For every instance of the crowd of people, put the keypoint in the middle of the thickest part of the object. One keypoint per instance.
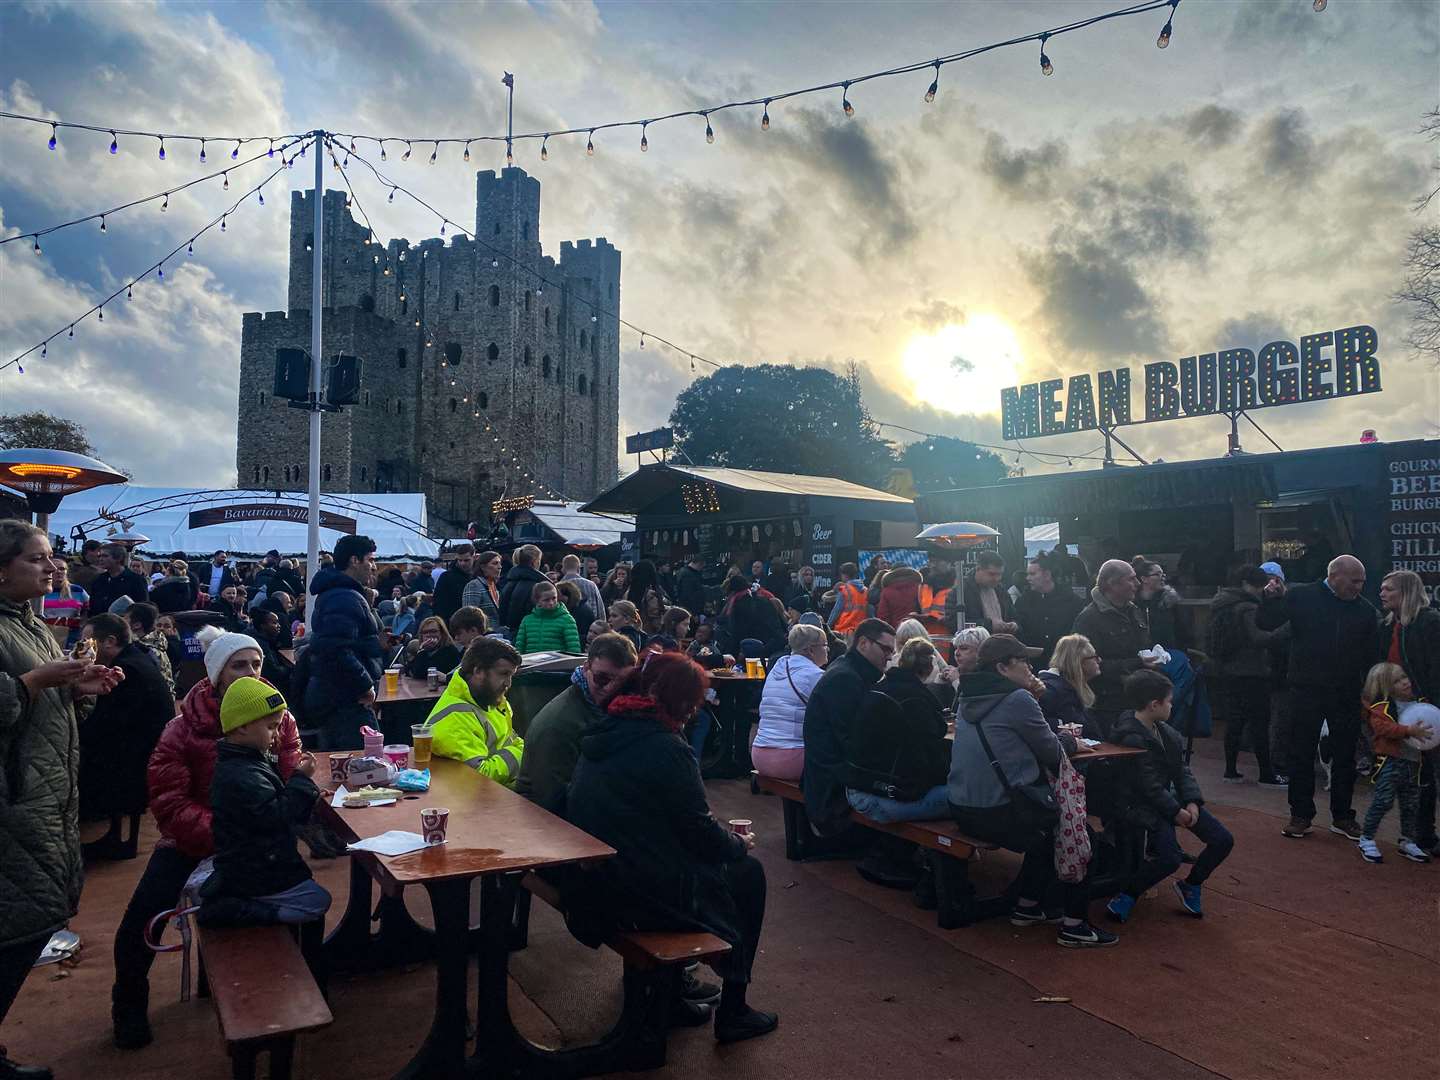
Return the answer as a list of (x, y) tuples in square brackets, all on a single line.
[(902, 694)]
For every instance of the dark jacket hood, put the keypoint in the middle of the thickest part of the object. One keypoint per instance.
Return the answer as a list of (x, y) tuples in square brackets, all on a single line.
[(329, 578), (981, 692), (1231, 596), (900, 575)]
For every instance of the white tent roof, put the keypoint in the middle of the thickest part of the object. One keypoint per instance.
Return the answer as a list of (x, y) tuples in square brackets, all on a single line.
[(383, 518)]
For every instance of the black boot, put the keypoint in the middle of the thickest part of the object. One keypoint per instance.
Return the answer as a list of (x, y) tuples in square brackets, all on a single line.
[(736, 1021), (129, 1012), (12, 1070)]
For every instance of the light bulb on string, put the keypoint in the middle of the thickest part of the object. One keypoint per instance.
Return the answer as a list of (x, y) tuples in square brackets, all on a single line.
[(130, 291), (1163, 41), (594, 318), (934, 85), (392, 195), (102, 223), (494, 263), (161, 270), (352, 145), (44, 350), (235, 154), (1319, 5), (21, 367), (509, 153), (845, 99), (165, 202), (434, 152), (260, 195), (53, 141), (114, 144), (222, 222), (382, 151), (467, 150), (72, 330), (644, 139), (642, 341), (590, 144), (36, 247), (406, 156), (302, 150), (765, 117), (544, 153), (226, 185), (190, 248), (709, 131), (442, 228), (202, 151), (271, 151), (1046, 67), (100, 313), (162, 147)]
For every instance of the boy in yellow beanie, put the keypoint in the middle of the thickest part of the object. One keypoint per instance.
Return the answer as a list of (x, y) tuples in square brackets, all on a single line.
[(259, 876)]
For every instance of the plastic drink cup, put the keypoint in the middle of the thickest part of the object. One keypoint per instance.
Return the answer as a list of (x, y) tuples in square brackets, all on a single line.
[(433, 822), (392, 680), (432, 678), (420, 735), (398, 754), (740, 826)]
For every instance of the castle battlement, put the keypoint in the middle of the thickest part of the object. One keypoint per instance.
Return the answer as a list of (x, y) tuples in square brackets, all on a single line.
[(453, 334)]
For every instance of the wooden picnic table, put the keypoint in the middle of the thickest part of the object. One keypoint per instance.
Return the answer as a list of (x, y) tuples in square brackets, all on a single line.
[(494, 835), (408, 690), (739, 699)]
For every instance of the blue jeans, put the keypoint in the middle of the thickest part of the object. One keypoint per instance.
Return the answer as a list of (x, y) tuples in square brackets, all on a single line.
[(934, 805), (1166, 856), (298, 904), (699, 732)]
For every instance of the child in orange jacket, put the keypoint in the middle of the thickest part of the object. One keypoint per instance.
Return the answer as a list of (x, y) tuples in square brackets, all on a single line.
[(1388, 694)]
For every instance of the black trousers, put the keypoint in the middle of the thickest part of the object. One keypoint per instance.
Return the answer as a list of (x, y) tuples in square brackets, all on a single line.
[(15, 963), (1037, 879), (158, 890), (1425, 813), (1247, 708), (746, 880), (1311, 706)]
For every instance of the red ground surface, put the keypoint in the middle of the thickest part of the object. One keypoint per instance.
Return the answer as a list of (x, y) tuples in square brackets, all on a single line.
[(1309, 963)]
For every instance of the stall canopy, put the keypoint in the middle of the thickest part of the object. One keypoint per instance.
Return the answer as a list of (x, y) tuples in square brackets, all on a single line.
[(566, 524), (648, 484), (247, 522)]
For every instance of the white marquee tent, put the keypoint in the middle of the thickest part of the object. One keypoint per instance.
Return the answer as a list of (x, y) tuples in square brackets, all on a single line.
[(396, 522)]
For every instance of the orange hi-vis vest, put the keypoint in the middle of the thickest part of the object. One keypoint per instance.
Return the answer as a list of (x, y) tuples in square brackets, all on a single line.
[(932, 609), (856, 611)]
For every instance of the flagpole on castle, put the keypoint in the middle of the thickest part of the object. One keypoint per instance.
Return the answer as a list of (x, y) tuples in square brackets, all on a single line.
[(317, 314), (509, 81)]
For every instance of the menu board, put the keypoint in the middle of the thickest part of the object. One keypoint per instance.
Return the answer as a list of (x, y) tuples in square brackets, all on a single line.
[(630, 547), (708, 539), (822, 551), (1414, 516)]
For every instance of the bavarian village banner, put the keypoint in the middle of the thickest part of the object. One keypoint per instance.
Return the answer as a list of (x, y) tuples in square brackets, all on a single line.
[(1335, 363), (224, 515)]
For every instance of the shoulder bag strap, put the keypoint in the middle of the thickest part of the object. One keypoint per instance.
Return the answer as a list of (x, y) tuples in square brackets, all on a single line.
[(994, 764), (789, 678)]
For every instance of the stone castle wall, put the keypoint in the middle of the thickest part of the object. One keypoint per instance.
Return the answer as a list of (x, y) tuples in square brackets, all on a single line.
[(452, 336)]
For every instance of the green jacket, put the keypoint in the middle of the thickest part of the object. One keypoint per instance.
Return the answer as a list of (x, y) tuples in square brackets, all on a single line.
[(548, 630), (552, 746), (40, 872)]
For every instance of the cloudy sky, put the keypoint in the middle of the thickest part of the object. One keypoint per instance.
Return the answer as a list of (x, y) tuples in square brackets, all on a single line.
[(1253, 181)]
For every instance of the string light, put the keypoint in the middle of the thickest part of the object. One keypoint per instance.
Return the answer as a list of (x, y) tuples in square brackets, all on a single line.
[(934, 85), (382, 150), (165, 203), (1319, 5), (644, 140), (36, 247), (509, 154), (709, 131), (100, 314), (467, 148), (72, 330), (53, 141), (114, 143), (544, 151), (845, 99), (130, 291), (222, 222), (590, 145), (765, 117), (161, 271), (434, 152), (1163, 41), (406, 156), (202, 151), (162, 147), (190, 248), (235, 154), (271, 151), (226, 186), (1046, 67), (102, 223)]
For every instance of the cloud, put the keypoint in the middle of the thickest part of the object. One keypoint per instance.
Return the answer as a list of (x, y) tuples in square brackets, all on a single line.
[(1213, 125), (933, 314), (1285, 146), (1093, 302), (1022, 173)]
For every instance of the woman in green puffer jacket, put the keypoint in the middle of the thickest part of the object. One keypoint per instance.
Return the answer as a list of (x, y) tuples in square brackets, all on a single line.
[(40, 871)]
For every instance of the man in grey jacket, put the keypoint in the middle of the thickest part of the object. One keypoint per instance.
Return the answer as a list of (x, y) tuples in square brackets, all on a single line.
[(1004, 745)]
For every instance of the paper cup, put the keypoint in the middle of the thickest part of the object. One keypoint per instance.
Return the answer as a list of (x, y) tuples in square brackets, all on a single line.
[(338, 761), (740, 826), (433, 822), (398, 754)]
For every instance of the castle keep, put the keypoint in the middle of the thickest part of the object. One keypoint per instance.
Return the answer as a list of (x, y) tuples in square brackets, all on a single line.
[(451, 337)]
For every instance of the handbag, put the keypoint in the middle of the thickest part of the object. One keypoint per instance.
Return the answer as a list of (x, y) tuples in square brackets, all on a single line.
[(1033, 809), (1072, 838)]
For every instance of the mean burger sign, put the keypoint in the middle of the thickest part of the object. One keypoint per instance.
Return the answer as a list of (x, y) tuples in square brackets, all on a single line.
[(1334, 363)]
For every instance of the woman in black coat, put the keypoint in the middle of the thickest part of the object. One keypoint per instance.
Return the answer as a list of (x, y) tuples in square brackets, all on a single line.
[(637, 787), (1410, 636)]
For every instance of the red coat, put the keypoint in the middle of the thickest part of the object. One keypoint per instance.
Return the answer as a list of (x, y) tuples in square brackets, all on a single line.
[(899, 596), (183, 763)]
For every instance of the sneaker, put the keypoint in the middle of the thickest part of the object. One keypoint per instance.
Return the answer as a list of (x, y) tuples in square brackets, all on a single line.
[(1274, 780), (1233, 777), (692, 989), (1297, 828), (748, 1025), (1084, 936), (1031, 916), (1370, 851), (1189, 898), (1347, 827), (13, 1070), (688, 1013), (1412, 851), (1120, 907)]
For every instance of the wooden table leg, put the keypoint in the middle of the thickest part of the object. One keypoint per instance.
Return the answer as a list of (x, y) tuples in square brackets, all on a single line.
[(442, 1055)]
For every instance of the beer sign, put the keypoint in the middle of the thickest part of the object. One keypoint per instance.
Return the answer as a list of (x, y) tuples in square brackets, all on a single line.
[(1334, 363)]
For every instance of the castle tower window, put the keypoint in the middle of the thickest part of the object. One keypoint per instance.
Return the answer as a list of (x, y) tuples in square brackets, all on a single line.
[(594, 347), (367, 302), (580, 384), (497, 228), (525, 230), (309, 241), (262, 397), (527, 355), (404, 307), (484, 400), (362, 473), (453, 404), (267, 472), (452, 352), (545, 367), (399, 408), (400, 358), (492, 352), (257, 474), (547, 318), (582, 339), (494, 295), (527, 299), (457, 301), (367, 397), (327, 473)]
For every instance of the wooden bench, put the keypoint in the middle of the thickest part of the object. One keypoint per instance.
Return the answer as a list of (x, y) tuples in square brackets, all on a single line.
[(955, 897), (654, 961), (264, 995)]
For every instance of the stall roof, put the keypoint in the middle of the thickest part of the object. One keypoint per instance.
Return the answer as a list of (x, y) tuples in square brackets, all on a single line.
[(651, 482), (569, 521), (383, 518)]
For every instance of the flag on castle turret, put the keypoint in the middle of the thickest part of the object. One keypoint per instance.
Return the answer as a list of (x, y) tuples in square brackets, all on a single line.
[(509, 80)]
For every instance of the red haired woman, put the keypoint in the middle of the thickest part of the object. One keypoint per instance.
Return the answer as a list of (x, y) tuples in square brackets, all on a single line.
[(637, 787)]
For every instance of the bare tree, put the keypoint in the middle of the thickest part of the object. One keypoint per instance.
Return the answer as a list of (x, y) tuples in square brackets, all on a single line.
[(1421, 290)]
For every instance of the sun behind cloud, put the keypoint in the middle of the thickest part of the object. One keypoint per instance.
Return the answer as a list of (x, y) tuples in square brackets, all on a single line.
[(962, 367)]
